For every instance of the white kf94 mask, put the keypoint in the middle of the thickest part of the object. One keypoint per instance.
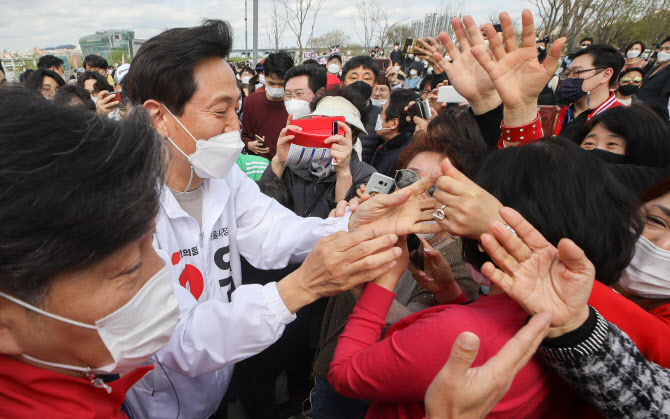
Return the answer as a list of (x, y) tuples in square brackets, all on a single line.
[(134, 332), (215, 157)]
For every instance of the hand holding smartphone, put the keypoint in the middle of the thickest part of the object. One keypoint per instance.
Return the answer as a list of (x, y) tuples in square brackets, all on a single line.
[(261, 141)]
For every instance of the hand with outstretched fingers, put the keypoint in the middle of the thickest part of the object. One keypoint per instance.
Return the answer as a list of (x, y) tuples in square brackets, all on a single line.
[(538, 275), (517, 74), (465, 73), (400, 213), (469, 208)]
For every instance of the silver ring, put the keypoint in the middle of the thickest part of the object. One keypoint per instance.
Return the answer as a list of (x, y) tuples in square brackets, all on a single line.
[(439, 213)]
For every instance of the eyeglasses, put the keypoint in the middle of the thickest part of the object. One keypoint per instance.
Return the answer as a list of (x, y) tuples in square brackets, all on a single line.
[(633, 79), (575, 74), (405, 177), (298, 94)]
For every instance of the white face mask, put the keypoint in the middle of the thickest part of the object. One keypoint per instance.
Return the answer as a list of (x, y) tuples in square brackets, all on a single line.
[(215, 157), (297, 107), (417, 59), (396, 48), (378, 102), (333, 68), (245, 80), (378, 124), (258, 85), (261, 79), (633, 54), (413, 72), (648, 274), (663, 56), (275, 92), (410, 55), (131, 334)]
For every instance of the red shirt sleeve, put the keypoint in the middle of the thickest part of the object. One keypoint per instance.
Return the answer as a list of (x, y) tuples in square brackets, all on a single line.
[(398, 368), (650, 333), (246, 120)]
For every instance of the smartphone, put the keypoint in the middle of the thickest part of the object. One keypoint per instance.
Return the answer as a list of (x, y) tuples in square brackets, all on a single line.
[(261, 141), (382, 65), (415, 248), (117, 96), (379, 183), (447, 94), (410, 43), (421, 108)]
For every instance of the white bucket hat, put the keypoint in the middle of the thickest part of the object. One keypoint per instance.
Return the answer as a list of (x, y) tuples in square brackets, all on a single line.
[(339, 106)]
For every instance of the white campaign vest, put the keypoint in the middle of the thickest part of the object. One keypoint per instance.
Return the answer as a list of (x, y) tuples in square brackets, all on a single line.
[(221, 321)]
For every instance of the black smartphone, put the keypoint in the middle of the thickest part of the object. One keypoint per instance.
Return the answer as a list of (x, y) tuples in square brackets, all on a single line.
[(415, 251), (261, 141)]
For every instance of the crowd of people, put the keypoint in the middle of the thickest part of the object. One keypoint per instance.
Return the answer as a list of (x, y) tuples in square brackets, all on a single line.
[(163, 255)]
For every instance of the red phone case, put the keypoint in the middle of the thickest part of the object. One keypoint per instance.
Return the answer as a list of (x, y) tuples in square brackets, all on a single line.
[(315, 131)]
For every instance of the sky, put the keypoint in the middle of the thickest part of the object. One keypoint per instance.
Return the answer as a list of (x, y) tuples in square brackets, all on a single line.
[(42, 23)]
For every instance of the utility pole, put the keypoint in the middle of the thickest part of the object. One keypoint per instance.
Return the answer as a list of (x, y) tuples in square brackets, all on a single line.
[(246, 33), (255, 29)]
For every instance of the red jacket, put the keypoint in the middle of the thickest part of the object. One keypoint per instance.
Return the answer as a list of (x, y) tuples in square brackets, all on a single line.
[(611, 102), (32, 392)]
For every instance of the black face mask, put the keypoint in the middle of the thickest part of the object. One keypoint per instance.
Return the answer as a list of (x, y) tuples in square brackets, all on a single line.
[(628, 89), (570, 91), (609, 157)]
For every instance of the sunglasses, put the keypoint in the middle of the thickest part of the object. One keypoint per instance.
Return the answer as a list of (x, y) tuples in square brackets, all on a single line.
[(405, 177), (634, 79)]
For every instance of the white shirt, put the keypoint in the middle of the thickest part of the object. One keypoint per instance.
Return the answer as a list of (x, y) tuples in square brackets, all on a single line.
[(221, 321)]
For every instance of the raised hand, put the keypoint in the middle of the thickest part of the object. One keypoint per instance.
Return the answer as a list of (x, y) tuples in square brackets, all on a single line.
[(283, 147), (341, 148), (465, 73), (469, 209), (516, 72), (105, 104), (400, 213), (539, 276), (459, 391)]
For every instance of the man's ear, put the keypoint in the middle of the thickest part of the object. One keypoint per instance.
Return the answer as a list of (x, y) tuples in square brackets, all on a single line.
[(395, 123), (157, 114), (9, 341)]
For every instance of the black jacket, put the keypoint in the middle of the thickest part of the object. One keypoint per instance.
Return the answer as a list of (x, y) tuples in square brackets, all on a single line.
[(655, 90), (370, 141), (385, 159), (396, 57), (306, 189)]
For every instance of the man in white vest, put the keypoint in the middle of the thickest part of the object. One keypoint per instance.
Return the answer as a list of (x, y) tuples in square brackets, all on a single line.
[(211, 213)]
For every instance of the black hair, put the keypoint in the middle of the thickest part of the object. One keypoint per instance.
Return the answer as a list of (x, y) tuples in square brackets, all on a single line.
[(647, 135), (34, 82), (277, 64), (667, 38), (71, 95), (163, 67), (48, 61), (2, 68), (564, 192), (586, 39), (630, 70), (100, 81), (433, 79), (29, 72), (604, 56), (74, 187), (95, 61), (247, 69), (640, 43), (276, 189), (310, 61), (397, 102), (315, 74), (364, 61)]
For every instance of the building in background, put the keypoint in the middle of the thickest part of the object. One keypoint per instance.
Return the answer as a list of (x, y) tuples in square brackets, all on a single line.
[(434, 23), (106, 43)]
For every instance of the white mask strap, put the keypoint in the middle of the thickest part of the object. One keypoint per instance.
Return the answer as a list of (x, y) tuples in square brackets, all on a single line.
[(57, 365), (182, 125), (46, 313)]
